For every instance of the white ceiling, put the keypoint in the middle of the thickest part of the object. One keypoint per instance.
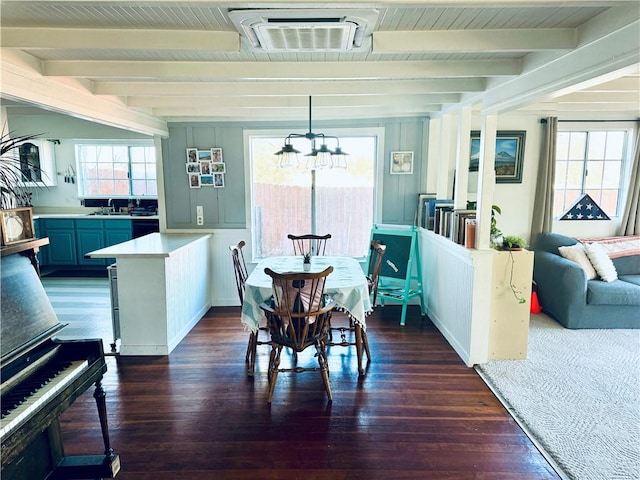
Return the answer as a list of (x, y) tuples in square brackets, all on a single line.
[(141, 64)]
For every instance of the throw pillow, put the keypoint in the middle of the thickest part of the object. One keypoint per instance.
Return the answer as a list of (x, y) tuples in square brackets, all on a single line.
[(577, 254), (601, 261)]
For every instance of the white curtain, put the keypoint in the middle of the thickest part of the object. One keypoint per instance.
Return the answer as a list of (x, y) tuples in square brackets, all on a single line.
[(631, 215), (542, 218)]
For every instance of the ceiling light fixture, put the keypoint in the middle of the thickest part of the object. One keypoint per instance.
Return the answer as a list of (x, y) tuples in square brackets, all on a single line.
[(320, 157)]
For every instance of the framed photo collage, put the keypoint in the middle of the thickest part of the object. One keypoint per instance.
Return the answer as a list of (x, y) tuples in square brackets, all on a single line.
[(205, 168)]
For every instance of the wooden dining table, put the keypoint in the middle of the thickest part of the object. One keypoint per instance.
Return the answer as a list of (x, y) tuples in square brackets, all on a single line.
[(346, 286)]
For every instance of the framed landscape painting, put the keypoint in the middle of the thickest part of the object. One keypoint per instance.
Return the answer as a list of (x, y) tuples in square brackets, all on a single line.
[(509, 155)]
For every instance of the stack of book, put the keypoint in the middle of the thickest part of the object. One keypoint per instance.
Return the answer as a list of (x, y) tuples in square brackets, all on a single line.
[(463, 227)]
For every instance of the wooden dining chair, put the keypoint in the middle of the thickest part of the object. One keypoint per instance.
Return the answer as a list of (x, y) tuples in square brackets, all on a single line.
[(309, 243), (241, 274), (298, 319), (376, 254), (352, 334)]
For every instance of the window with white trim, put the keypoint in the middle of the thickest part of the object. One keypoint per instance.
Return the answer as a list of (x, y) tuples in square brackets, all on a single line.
[(295, 200), (592, 162), (113, 170)]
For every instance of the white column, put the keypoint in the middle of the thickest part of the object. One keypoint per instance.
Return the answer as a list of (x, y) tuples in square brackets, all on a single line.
[(462, 157), (486, 179)]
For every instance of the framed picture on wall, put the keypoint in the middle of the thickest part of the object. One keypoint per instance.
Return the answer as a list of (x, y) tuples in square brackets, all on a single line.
[(205, 168), (218, 167), (194, 180), (192, 155), (193, 167), (206, 180), (204, 155), (218, 180), (401, 163), (509, 155), (216, 155)]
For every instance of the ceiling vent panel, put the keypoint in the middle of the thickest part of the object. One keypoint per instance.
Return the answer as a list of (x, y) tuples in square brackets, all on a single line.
[(312, 30)]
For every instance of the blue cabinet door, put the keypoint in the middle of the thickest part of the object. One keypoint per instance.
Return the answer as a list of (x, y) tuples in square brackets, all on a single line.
[(62, 242), (88, 241), (62, 247), (115, 232)]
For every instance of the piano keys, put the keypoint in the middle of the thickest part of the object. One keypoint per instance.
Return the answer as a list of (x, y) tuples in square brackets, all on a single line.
[(41, 377)]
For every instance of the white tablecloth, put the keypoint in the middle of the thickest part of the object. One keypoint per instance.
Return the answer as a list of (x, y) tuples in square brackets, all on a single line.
[(346, 285)]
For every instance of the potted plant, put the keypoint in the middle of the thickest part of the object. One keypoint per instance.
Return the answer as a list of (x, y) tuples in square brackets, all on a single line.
[(513, 242), (306, 261)]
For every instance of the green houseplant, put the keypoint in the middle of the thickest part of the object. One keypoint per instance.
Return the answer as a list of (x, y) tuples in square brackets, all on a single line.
[(495, 232), (306, 261), (513, 242)]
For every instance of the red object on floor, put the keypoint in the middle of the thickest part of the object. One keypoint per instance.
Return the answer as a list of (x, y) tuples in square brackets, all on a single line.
[(535, 305)]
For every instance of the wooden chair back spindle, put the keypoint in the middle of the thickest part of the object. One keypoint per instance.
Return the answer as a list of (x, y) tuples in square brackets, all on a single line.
[(309, 243)]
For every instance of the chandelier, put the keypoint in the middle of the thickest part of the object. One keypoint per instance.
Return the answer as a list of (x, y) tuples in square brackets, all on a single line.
[(320, 157)]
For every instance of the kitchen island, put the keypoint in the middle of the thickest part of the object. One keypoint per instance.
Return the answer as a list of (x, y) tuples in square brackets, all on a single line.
[(163, 289)]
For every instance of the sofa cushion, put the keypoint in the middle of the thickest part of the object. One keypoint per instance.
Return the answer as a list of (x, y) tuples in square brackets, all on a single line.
[(612, 293), (576, 253), (635, 279), (601, 261), (627, 265)]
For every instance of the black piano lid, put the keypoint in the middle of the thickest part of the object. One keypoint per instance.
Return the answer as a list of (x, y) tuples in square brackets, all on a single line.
[(27, 317)]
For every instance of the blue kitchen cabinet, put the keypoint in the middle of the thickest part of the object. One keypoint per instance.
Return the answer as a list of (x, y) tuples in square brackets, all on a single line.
[(116, 231), (71, 239), (89, 237), (62, 242)]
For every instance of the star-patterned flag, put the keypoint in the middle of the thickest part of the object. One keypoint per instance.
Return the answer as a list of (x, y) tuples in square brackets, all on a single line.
[(584, 209)]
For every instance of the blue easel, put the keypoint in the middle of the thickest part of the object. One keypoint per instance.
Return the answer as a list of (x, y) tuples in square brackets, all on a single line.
[(397, 281)]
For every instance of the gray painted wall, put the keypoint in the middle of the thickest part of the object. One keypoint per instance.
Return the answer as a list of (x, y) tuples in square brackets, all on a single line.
[(225, 208)]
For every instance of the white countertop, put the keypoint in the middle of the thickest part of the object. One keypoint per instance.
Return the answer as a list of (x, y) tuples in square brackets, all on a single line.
[(76, 216), (152, 245)]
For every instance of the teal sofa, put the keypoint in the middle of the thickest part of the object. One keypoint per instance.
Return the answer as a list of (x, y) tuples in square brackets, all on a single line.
[(575, 302)]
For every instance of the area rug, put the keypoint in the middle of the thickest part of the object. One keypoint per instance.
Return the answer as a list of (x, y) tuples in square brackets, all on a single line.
[(577, 395)]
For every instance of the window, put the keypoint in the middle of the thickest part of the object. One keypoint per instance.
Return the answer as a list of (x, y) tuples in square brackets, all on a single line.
[(116, 170), (591, 162), (295, 200)]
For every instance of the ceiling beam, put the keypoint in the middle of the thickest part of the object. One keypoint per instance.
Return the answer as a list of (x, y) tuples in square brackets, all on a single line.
[(301, 113), (113, 39), (287, 101), (355, 3), (22, 81), (267, 88), (280, 70), (507, 40), (592, 97), (597, 56)]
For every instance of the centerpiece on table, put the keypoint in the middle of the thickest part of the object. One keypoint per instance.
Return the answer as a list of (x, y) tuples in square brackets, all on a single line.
[(306, 262)]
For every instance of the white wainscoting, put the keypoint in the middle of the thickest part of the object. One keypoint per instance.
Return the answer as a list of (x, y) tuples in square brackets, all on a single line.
[(223, 283), (457, 283)]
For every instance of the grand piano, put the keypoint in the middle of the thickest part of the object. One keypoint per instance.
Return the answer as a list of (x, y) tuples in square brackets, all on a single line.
[(41, 377)]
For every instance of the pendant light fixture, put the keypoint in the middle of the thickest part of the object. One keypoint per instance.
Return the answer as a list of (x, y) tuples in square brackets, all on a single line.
[(320, 157)]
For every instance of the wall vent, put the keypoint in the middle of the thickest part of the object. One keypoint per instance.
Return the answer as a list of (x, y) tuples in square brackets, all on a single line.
[(295, 30)]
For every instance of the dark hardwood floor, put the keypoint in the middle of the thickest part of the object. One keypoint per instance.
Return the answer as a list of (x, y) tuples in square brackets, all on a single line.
[(419, 412)]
